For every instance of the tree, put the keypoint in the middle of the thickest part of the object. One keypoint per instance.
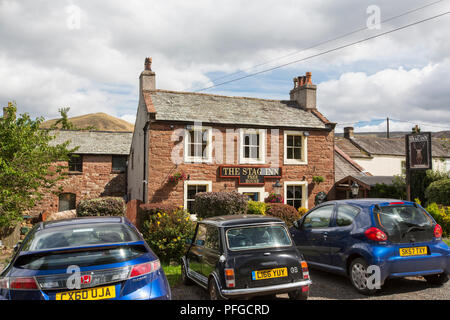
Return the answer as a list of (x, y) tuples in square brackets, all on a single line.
[(27, 164), (65, 122)]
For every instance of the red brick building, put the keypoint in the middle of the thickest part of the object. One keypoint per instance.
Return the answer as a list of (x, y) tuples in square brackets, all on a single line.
[(220, 143), (97, 169)]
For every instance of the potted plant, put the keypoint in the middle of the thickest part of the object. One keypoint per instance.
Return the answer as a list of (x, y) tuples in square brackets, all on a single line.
[(274, 198), (177, 176)]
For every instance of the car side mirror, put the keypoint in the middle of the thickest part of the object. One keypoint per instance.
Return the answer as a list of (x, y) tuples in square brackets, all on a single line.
[(17, 246)]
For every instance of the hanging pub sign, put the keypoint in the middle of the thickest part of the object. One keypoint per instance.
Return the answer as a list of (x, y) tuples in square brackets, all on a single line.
[(249, 175), (418, 151)]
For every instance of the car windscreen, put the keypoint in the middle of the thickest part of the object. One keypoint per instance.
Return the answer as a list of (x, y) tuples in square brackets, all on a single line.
[(80, 235), (257, 237), (404, 223), (79, 257)]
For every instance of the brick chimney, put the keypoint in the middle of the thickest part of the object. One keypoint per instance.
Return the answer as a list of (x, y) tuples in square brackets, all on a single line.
[(147, 81), (348, 132), (304, 92)]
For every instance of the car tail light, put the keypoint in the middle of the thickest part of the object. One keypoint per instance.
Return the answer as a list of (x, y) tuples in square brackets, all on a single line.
[(437, 231), (229, 278), (27, 283), (145, 268), (305, 270), (375, 234)]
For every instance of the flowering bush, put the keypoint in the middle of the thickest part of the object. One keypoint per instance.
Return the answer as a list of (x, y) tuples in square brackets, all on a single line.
[(211, 204), (178, 176), (166, 233), (256, 207), (274, 198), (442, 216), (104, 206), (149, 209), (302, 211), (283, 211)]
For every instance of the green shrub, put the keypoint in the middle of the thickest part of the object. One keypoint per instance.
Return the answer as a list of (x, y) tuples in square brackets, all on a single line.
[(439, 192), (166, 233), (149, 209), (211, 204), (104, 206), (442, 216), (256, 207), (283, 211)]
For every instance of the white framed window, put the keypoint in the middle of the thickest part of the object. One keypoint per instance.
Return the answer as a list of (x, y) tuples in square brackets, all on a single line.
[(191, 188), (295, 148), (197, 144), (252, 146), (254, 193), (296, 193)]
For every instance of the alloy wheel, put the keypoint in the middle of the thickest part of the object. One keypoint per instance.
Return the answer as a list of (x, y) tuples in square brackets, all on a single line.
[(359, 276)]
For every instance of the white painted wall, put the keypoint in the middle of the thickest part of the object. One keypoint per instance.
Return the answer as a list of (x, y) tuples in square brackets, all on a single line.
[(392, 165)]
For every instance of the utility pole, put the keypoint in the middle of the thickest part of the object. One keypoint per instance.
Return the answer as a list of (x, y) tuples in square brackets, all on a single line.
[(387, 127)]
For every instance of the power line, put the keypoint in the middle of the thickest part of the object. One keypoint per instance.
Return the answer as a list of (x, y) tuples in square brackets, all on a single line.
[(328, 51), (325, 41)]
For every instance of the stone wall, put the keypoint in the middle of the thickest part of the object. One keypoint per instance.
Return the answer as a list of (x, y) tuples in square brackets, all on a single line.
[(161, 145), (96, 180)]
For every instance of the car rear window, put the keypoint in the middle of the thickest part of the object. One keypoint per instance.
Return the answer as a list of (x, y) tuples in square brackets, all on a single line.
[(79, 235), (257, 237), (402, 221), (80, 258)]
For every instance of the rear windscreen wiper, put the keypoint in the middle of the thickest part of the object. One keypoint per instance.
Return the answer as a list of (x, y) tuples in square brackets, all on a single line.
[(413, 227)]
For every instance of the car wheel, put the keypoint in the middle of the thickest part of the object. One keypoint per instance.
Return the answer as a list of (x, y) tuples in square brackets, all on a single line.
[(213, 291), (298, 295), (184, 278), (358, 276), (437, 279)]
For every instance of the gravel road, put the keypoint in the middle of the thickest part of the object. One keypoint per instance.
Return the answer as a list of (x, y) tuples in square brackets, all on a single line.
[(329, 286)]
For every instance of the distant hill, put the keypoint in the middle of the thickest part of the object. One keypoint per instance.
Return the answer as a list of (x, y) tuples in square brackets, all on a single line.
[(101, 121)]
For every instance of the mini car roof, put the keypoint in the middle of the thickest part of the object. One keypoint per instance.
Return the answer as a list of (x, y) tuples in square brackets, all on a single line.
[(234, 220)]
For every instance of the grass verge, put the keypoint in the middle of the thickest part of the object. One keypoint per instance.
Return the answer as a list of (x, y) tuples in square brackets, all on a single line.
[(447, 241), (173, 274)]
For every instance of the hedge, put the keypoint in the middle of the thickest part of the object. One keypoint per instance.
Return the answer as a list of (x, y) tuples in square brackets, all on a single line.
[(211, 204), (439, 192), (104, 206), (283, 211)]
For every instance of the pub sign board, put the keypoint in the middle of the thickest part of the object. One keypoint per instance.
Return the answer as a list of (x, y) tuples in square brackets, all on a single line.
[(250, 175), (418, 151)]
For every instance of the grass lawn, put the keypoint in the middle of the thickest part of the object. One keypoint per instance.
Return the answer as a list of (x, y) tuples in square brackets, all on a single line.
[(447, 241), (173, 274)]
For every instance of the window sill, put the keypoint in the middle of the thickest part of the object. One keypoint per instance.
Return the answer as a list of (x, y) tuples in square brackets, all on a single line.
[(117, 171), (196, 160), (75, 173), (291, 162)]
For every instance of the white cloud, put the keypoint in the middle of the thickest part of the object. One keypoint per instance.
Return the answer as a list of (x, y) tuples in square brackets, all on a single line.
[(45, 65)]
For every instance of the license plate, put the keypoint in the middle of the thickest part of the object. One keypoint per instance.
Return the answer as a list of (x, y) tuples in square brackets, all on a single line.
[(269, 274), (88, 294), (415, 251)]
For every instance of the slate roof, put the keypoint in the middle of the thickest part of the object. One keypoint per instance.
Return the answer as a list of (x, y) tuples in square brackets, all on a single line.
[(344, 166), (208, 108), (349, 148), (95, 142), (396, 146)]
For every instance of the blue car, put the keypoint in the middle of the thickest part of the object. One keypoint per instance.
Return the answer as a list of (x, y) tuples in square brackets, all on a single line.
[(84, 259), (398, 238)]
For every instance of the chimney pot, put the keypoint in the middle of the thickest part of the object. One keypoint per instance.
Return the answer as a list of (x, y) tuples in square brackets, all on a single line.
[(348, 132), (304, 92), (147, 78)]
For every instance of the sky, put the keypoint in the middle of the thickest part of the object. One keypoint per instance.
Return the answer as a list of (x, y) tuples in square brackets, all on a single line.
[(87, 55)]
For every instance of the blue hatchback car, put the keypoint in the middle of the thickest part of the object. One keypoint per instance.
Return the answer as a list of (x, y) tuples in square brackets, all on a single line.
[(348, 236), (84, 259)]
